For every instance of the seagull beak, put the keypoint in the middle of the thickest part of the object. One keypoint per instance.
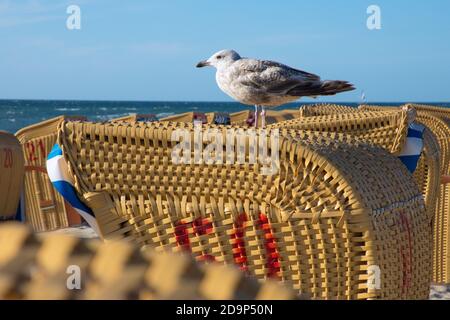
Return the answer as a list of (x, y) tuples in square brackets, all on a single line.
[(202, 64)]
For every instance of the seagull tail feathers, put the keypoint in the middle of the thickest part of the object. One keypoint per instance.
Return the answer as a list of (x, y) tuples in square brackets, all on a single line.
[(324, 88), (332, 87)]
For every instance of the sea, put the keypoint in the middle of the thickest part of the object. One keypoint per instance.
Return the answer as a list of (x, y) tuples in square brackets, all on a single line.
[(16, 114)]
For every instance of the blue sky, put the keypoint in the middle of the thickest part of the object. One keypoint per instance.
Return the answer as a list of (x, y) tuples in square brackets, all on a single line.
[(147, 50)]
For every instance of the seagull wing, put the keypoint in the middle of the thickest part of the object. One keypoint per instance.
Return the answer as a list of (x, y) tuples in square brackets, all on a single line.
[(274, 77)]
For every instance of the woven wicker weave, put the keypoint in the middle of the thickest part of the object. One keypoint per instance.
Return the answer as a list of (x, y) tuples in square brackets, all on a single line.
[(370, 129), (115, 270), (436, 111), (45, 209), (427, 174), (437, 120), (187, 117), (441, 233), (383, 128), (272, 116), (134, 117), (11, 175), (323, 109), (332, 212)]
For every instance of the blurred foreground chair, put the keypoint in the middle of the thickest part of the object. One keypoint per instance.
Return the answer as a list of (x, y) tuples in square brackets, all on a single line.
[(44, 208), (11, 175), (39, 267), (337, 220)]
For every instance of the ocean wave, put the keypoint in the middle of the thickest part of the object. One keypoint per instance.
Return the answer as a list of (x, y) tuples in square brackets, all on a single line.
[(105, 117), (67, 109), (161, 107)]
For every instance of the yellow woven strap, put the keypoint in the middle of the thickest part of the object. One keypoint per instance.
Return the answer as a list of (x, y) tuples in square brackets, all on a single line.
[(111, 225)]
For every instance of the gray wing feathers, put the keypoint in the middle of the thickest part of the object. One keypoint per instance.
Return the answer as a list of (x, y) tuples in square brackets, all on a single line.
[(326, 88), (273, 77), (276, 78)]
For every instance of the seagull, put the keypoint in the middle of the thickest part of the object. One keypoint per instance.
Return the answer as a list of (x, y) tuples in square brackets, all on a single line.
[(264, 83)]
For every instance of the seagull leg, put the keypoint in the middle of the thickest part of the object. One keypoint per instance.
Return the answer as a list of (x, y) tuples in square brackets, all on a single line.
[(256, 116), (263, 117)]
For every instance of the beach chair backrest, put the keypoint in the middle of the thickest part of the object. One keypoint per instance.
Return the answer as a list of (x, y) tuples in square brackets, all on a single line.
[(136, 117), (222, 118), (240, 118), (386, 129), (322, 109), (330, 205), (188, 117), (45, 209), (246, 117), (439, 124), (199, 117), (274, 116), (11, 175), (438, 111), (434, 163)]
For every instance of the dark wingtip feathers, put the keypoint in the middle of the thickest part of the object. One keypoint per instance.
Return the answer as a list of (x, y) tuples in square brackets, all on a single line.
[(325, 88), (333, 87)]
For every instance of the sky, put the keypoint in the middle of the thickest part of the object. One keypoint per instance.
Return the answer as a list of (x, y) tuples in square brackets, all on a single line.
[(147, 49)]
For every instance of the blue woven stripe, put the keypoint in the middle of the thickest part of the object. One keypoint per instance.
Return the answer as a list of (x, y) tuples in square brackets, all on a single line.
[(56, 151), (415, 133), (68, 193), (410, 162)]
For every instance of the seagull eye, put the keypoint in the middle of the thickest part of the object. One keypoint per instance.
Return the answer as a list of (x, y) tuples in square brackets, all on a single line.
[(219, 57)]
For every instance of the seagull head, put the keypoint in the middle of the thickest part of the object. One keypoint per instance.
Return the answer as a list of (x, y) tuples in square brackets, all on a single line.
[(220, 59)]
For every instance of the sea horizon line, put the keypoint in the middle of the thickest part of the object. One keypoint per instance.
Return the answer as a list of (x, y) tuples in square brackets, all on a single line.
[(218, 101)]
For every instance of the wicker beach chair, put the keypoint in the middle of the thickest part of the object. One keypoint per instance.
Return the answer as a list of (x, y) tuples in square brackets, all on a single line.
[(188, 117), (437, 120), (322, 109), (45, 209), (436, 111), (334, 216), (383, 128), (379, 127), (222, 118), (136, 117), (244, 118), (441, 234), (115, 270), (11, 175)]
